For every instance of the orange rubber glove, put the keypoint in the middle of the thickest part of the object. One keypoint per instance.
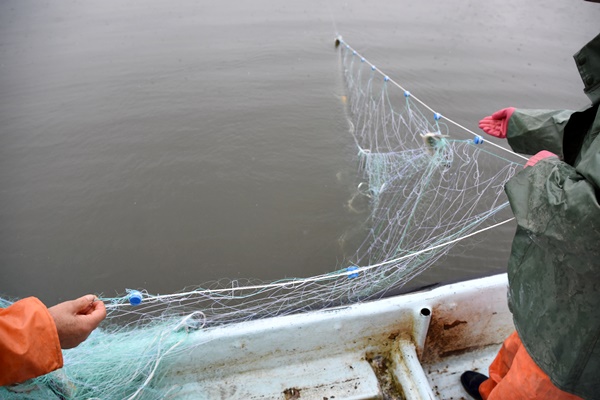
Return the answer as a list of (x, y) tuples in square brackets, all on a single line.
[(497, 123), (539, 156)]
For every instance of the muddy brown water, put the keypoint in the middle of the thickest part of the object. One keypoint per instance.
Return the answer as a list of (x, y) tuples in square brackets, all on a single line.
[(158, 145)]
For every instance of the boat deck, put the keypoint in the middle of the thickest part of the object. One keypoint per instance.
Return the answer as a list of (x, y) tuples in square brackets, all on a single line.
[(444, 376), (413, 346)]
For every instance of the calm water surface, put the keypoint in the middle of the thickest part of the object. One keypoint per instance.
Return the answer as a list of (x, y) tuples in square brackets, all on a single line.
[(157, 145)]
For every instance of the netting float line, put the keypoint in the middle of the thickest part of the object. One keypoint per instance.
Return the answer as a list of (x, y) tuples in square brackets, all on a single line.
[(430, 183)]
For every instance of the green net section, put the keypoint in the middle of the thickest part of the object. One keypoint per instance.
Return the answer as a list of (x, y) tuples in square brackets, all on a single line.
[(429, 183)]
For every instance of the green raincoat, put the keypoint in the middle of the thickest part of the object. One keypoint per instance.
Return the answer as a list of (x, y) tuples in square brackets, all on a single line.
[(554, 267)]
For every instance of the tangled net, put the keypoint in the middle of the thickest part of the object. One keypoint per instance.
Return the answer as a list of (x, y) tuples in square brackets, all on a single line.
[(429, 183)]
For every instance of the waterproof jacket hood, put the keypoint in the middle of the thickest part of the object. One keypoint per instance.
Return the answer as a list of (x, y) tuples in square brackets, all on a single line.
[(588, 63)]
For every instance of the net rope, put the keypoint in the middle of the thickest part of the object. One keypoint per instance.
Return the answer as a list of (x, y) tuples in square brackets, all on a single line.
[(429, 183)]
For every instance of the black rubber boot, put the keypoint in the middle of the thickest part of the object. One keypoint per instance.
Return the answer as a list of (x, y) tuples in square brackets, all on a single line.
[(471, 381)]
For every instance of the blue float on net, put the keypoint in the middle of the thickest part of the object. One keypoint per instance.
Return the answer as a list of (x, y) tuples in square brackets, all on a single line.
[(478, 139), (373, 67), (135, 298), (437, 116), (352, 268), (406, 93), (386, 78)]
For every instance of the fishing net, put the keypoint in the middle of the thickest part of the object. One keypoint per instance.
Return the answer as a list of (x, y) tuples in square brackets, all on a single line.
[(429, 183)]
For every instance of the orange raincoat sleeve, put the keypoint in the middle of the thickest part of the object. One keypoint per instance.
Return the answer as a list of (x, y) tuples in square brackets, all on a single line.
[(29, 344)]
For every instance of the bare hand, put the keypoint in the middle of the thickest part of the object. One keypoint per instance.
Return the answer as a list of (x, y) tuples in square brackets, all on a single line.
[(76, 319)]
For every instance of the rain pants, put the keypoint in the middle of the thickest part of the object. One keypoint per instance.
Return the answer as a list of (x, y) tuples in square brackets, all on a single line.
[(514, 375), (29, 344), (554, 267)]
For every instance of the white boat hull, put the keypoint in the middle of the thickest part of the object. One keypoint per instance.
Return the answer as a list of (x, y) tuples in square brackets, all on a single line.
[(413, 346)]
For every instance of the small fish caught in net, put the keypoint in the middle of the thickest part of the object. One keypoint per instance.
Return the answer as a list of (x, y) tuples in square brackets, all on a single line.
[(429, 183)]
